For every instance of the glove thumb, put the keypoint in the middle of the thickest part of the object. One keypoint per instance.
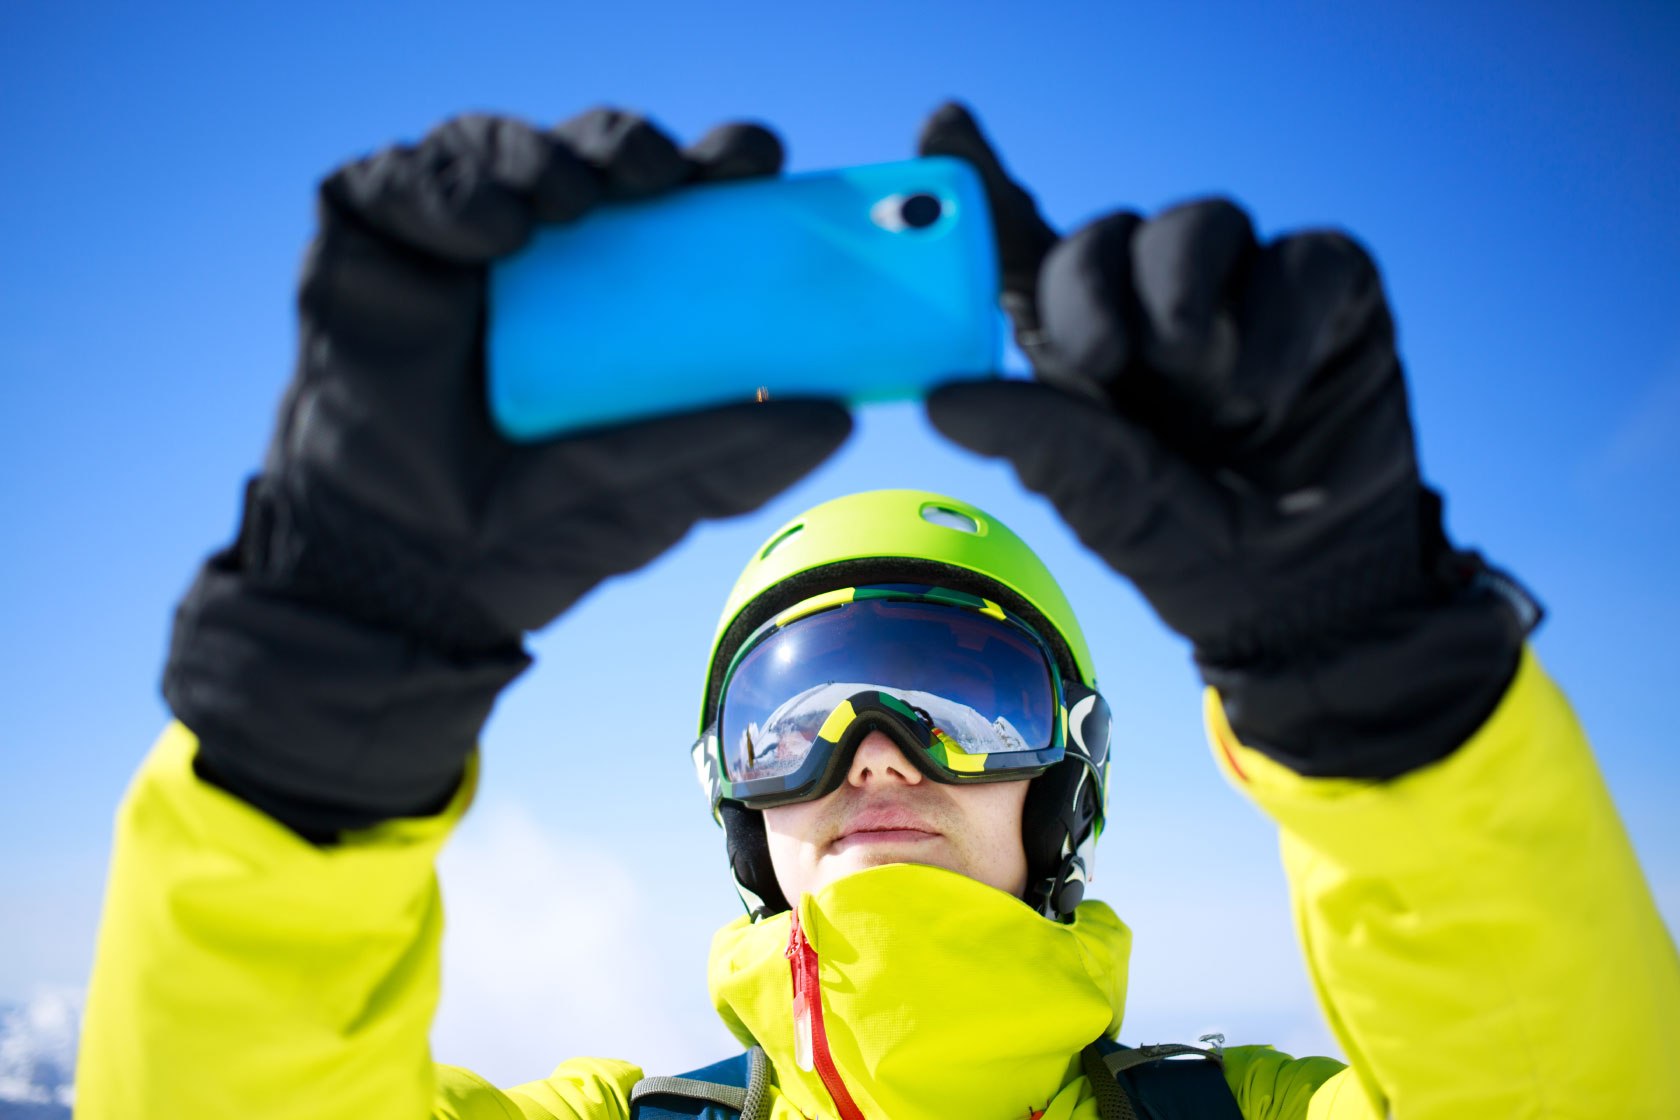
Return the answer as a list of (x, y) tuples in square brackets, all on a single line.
[(1023, 236), (575, 511)]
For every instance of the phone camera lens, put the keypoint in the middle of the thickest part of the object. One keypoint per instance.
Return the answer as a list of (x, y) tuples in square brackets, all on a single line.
[(920, 211)]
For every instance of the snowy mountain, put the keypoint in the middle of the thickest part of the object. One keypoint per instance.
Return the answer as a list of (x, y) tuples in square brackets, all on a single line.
[(38, 1056)]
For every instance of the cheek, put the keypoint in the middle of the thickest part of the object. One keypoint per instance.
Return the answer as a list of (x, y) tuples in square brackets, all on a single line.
[(997, 807), (786, 830), (993, 813), (788, 824)]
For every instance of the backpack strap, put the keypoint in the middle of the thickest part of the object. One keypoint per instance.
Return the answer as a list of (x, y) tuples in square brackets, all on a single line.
[(726, 1090), (1147, 1086), (1113, 1101)]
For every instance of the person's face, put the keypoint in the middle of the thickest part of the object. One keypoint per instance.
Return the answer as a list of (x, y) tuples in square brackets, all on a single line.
[(888, 812)]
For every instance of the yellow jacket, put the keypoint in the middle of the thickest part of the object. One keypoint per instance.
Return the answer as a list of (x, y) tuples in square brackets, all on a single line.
[(1478, 931)]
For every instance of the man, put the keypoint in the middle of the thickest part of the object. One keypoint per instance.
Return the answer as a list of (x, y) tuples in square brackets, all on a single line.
[(1223, 421)]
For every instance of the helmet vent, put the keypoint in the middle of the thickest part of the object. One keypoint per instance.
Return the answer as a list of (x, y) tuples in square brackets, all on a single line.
[(950, 518), (782, 538)]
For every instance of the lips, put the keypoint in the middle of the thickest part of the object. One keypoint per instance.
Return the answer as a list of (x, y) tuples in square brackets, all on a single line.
[(885, 825)]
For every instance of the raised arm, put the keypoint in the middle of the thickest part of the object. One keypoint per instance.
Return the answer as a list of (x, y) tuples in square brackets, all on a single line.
[(269, 945), (1225, 422)]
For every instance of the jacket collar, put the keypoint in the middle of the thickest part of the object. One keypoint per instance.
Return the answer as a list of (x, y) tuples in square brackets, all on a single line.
[(940, 996)]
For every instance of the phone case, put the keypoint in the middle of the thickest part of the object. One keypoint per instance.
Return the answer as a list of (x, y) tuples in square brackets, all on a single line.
[(865, 283)]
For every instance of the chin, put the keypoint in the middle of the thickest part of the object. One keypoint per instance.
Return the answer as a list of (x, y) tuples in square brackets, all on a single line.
[(864, 859)]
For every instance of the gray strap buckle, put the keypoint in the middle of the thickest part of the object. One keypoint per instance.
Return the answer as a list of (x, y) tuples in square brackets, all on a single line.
[(1126, 1059)]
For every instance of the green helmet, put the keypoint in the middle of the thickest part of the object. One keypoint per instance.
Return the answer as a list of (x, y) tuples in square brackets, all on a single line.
[(912, 536)]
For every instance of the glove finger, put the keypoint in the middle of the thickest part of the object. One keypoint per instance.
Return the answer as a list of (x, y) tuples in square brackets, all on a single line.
[(1184, 264), (1023, 236), (463, 193), (738, 150), (567, 188), (574, 512), (1111, 480), (1097, 333), (1087, 304), (1311, 305), (634, 158)]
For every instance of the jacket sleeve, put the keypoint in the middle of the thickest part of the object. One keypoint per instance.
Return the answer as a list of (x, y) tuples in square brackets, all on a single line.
[(1478, 931), (1270, 1085), (242, 971)]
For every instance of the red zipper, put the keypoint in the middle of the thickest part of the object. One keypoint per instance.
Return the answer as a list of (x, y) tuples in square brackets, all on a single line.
[(810, 1038)]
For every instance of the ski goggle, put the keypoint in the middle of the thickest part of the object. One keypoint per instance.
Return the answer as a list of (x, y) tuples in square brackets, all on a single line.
[(968, 691)]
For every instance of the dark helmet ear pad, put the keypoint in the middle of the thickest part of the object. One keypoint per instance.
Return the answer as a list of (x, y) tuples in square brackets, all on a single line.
[(749, 857), (1058, 812)]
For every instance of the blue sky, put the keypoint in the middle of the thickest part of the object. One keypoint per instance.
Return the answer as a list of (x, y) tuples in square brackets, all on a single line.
[(1513, 166)]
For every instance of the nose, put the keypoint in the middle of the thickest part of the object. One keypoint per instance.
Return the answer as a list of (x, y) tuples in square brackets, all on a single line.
[(878, 759)]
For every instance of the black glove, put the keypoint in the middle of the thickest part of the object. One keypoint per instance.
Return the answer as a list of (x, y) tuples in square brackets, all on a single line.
[(1225, 423), (338, 661)]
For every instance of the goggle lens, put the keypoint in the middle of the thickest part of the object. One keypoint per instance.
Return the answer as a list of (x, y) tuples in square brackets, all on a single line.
[(981, 686)]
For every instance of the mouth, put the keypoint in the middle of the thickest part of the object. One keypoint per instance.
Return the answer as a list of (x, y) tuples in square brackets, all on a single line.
[(884, 826)]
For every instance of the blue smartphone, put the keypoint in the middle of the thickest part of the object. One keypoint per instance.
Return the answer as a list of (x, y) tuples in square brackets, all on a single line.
[(866, 283)]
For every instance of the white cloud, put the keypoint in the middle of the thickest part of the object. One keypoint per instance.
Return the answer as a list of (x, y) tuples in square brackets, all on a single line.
[(552, 951), (38, 1048)]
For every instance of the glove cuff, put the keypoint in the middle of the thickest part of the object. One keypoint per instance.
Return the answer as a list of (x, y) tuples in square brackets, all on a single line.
[(323, 721), (1407, 691)]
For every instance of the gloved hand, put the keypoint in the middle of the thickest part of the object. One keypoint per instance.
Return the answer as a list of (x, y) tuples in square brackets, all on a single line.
[(338, 661), (1225, 422)]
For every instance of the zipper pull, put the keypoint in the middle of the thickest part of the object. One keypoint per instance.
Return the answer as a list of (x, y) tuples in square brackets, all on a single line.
[(799, 951)]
